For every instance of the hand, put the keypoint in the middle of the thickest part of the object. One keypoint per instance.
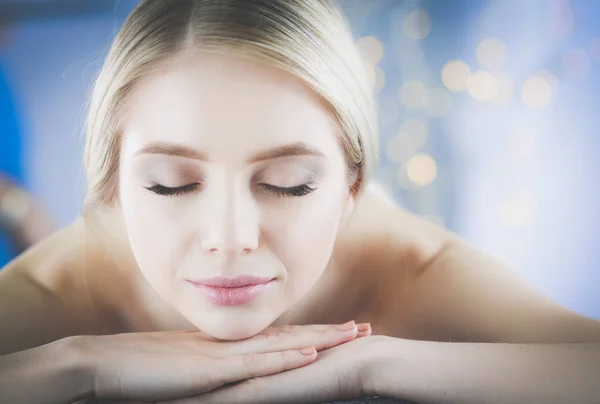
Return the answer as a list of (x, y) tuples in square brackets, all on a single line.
[(339, 373), (167, 365)]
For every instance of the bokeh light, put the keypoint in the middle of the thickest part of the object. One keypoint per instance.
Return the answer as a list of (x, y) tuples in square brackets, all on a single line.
[(396, 148), (536, 92), (416, 130), (439, 102), (414, 95), (421, 169), (560, 19), (576, 63), (389, 110), (370, 49), (491, 53), (411, 136), (417, 25), (402, 179), (376, 77), (482, 86), (550, 78), (455, 75), (505, 88), (371, 73)]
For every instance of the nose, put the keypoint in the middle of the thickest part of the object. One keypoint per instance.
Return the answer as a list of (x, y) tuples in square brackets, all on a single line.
[(230, 221)]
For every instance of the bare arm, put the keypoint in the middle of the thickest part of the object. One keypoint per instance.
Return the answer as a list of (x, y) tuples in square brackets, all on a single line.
[(463, 295), (51, 373), (37, 362), (48, 292), (33, 314), (487, 373), (481, 334), (43, 302)]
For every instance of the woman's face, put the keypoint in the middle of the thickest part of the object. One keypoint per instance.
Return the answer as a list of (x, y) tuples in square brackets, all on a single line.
[(230, 171)]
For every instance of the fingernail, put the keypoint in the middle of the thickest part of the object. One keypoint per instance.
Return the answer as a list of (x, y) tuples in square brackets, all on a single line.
[(308, 351), (364, 326), (350, 325)]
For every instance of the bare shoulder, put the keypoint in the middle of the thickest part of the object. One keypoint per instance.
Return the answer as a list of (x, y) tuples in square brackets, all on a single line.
[(384, 247), (381, 230), (47, 293), (429, 284)]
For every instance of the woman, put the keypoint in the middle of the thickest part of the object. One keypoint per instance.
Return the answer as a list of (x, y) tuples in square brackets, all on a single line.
[(228, 153)]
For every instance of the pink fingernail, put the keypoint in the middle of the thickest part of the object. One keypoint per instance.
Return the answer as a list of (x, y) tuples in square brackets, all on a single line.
[(350, 325), (364, 326), (308, 351)]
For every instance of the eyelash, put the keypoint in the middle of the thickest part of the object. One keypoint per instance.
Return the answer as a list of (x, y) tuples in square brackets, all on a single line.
[(297, 191), (166, 191)]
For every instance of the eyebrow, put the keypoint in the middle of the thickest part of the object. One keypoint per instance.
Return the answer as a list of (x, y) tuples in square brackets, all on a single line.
[(295, 149)]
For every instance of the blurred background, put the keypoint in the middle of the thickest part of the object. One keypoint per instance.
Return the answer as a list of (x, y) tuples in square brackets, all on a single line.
[(488, 113)]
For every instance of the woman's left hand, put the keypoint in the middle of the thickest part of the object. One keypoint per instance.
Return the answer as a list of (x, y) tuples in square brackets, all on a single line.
[(338, 373)]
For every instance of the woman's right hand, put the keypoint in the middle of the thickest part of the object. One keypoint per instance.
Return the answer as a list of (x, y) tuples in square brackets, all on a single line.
[(168, 365)]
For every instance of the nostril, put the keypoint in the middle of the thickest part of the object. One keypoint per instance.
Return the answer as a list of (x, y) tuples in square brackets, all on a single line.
[(214, 251)]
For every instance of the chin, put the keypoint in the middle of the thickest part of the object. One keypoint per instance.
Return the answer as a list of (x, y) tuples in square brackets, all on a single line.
[(233, 332)]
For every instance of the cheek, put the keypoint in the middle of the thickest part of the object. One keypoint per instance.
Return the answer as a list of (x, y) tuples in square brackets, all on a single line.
[(154, 232), (303, 237)]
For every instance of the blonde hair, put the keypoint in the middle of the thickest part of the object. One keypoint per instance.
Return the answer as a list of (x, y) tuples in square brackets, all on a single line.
[(307, 38)]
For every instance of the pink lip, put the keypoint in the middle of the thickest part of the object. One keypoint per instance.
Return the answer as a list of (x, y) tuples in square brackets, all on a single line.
[(232, 292)]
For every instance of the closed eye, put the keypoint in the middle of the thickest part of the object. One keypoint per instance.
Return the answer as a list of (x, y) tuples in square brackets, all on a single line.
[(296, 191), (167, 191)]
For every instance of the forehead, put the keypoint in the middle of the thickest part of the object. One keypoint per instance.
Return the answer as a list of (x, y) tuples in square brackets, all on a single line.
[(226, 105)]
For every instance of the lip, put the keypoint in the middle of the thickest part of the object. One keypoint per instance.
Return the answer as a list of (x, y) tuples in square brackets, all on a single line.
[(238, 281), (232, 292)]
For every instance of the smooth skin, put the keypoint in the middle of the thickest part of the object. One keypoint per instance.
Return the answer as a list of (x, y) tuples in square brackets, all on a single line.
[(102, 308)]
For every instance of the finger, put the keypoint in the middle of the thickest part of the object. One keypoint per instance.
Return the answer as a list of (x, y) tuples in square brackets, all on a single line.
[(242, 367), (364, 330), (312, 384), (218, 372), (293, 337)]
